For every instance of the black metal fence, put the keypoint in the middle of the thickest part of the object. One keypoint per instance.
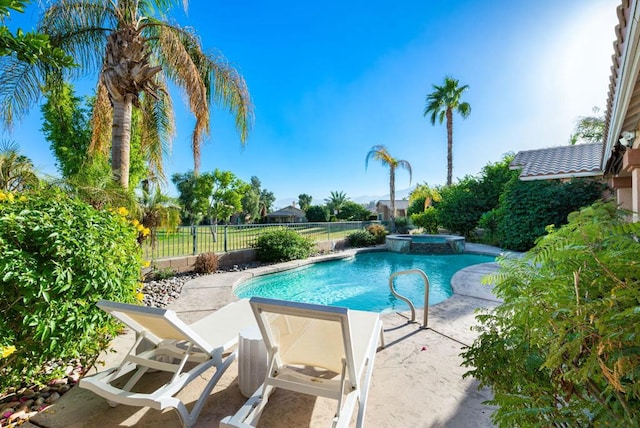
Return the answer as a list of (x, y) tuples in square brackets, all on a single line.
[(193, 240)]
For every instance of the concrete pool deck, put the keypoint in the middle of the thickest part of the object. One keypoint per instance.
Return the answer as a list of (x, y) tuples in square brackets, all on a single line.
[(417, 378)]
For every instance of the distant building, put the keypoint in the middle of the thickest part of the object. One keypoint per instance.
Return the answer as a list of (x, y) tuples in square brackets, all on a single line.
[(289, 214), (383, 208)]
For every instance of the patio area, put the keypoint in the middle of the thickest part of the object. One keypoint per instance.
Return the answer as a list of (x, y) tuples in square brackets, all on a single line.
[(417, 379)]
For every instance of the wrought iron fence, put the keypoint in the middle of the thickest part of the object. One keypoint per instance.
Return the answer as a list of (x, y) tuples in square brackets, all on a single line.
[(193, 240)]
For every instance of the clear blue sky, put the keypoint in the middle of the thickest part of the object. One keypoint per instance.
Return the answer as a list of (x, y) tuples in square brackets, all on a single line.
[(330, 79)]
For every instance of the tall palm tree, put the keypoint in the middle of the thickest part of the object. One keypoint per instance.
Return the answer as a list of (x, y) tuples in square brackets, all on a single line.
[(441, 103), (380, 153), (135, 53)]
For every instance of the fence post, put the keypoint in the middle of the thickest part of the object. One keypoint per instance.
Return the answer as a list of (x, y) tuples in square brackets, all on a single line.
[(194, 235), (329, 231), (225, 238)]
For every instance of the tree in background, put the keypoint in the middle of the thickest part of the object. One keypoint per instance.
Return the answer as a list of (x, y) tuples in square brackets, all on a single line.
[(317, 213), (135, 53), (225, 194), (267, 199), (589, 129), (193, 196), (441, 104), (335, 201), (251, 200), (304, 201), (157, 210), (353, 211), (380, 153), (16, 170)]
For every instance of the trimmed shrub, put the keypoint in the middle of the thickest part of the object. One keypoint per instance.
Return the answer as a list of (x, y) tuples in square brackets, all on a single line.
[(281, 245), (428, 220), (58, 257), (206, 263), (378, 231), (361, 238)]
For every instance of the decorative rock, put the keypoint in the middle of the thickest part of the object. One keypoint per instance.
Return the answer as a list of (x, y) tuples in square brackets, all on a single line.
[(53, 398), (63, 389), (28, 403), (39, 401)]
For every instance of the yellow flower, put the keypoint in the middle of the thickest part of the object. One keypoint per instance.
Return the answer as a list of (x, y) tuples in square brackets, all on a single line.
[(123, 211), (146, 263), (2, 196), (10, 197), (22, 198), (139, 227), (5, 351), (146, 231), (135, 222), (139, 296)]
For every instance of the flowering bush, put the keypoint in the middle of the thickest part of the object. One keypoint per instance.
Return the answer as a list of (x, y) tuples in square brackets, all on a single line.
[(58, 257)]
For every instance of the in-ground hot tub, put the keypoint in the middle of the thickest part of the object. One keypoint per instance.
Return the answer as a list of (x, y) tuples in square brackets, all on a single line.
[(426, 244)]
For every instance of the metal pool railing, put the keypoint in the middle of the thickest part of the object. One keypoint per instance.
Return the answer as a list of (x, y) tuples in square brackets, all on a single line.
[(193, 240)]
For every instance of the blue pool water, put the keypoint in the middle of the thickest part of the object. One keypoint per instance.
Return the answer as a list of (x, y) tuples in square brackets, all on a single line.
[(362, 282)]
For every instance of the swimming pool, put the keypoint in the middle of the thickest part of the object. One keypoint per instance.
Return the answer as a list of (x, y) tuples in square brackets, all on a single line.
[(362, 282)]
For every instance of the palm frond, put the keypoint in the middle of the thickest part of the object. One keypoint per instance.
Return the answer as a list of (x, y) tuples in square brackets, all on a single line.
[(19, 88), (79, 27), (158, 129), (101, 120), (176, 51)]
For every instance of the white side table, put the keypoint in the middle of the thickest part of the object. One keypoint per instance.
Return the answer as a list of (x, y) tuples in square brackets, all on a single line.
[(252, 360)]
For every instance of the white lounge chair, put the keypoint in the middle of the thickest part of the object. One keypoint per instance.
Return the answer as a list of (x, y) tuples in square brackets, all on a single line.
[(184, 350), (299, 336)]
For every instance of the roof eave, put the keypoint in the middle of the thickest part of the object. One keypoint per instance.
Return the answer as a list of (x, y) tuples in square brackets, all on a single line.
[(629, 67), (562, 176)]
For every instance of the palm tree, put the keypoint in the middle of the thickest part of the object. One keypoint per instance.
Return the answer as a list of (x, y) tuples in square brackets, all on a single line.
[(157, 210), (135, 53), (16, 170), (380, 153), (335, 201), (424, 191), (441, 103)]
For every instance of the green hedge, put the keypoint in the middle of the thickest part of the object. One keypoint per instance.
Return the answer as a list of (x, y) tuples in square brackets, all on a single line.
[(528, 207), (58, 257), (281, 245)]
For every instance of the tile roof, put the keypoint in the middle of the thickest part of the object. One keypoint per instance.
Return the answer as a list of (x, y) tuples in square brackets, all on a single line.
[(580, 160)]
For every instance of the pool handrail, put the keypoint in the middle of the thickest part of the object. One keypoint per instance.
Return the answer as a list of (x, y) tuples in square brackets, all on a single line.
[(411, 306)]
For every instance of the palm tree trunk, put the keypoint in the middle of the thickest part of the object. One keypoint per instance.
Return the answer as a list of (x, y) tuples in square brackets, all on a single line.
[(449, 146), (121, 140), (392, 196)]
